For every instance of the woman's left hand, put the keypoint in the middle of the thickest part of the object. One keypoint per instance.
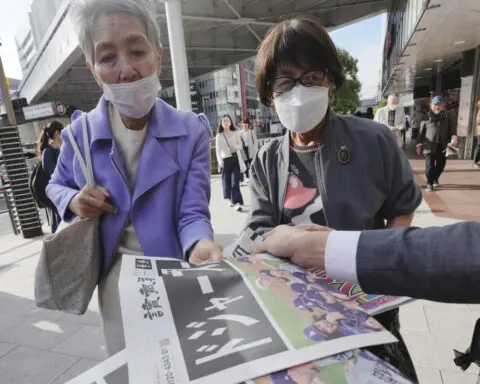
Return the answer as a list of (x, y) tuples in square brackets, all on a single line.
[(205, 250)]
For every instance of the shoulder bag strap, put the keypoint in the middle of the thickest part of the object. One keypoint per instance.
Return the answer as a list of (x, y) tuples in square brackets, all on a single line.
[(86, 164), (225, 137), (86, 149)]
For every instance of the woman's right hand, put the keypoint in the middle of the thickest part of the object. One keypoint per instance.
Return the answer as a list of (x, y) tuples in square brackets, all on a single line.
[(91, 202), (220, 163)]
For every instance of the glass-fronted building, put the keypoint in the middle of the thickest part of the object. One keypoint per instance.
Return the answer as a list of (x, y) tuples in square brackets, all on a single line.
[(433, 47), (228, 91)]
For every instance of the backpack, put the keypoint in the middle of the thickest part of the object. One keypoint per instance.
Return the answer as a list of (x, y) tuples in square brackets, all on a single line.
[(37, 184)]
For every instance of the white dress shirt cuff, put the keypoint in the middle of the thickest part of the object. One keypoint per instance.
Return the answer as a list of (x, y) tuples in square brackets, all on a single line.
[(341, 255)]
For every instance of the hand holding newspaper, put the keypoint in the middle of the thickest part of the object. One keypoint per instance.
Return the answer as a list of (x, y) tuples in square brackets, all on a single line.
[(253, 319), (371, 304)]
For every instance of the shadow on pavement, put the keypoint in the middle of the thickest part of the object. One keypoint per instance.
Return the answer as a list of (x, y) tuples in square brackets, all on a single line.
[(45, 347)]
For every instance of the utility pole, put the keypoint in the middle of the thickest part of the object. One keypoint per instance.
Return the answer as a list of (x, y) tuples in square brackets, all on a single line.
[(22, 207)]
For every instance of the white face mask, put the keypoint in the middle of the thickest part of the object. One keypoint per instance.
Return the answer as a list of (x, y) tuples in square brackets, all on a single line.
[(392, 107), (135, 99), (302, 108)]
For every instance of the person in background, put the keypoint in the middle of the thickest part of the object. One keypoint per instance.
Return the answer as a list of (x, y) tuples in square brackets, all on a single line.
[(408, 124), (151, 162), (393, 116), (369, 114), (359, 114), (249, 145), (476, 154), (339, 171), (228, 147), (435, 134), (48, 149), (418, 117)]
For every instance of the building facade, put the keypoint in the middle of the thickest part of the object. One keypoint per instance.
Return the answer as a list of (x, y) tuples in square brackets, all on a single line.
[(228, 91), (432, 47), (168, 95), (42, 13), (26, 47)]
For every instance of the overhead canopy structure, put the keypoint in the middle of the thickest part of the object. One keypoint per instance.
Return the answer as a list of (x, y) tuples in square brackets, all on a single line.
[(217, 33), (445, 30)]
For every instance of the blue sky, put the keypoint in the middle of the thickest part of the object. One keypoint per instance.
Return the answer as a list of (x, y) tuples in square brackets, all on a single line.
[(363, 40)]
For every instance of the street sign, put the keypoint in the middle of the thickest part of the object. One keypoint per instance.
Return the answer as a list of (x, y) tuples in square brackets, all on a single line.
[(40, 110), (60, 108)]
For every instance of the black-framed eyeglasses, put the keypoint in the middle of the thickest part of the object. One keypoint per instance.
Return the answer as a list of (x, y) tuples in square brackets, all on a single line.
[(310, 78)]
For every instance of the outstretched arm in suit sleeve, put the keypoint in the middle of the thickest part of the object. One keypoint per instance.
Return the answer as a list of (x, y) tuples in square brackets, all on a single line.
[(438, 263)]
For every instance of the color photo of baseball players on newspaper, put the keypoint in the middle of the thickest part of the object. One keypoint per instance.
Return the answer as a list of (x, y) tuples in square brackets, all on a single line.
[(371, 304), (236, 320)]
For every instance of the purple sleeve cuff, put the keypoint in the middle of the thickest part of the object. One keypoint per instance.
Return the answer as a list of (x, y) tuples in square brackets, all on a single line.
[(62, 196), (193, 233)]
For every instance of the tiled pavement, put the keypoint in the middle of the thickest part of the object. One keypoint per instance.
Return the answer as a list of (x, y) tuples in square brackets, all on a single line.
[(43, 347)]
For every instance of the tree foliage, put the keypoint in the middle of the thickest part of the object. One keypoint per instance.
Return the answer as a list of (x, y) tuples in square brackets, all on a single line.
[(347, 97), (381, 104)]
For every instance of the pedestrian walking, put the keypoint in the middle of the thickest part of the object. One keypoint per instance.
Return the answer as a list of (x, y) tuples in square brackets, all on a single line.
[(435, 135), (48, 149), (476, 154), (249, 145), (393, 116), (229, 157)]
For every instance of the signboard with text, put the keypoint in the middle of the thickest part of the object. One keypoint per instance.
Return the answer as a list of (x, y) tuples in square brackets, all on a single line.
[(39, 111)]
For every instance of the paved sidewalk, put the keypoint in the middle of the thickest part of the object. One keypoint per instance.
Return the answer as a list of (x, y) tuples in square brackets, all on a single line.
[(44, 347)]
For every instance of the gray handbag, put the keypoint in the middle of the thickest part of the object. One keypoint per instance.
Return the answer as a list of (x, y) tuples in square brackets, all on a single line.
[(71, 260)]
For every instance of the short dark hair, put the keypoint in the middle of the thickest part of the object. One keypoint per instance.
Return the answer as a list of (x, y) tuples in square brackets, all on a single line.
[(300, 42), (232, 126)]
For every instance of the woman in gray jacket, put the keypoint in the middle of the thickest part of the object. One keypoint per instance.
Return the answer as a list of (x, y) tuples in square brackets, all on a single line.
[(343, 172)]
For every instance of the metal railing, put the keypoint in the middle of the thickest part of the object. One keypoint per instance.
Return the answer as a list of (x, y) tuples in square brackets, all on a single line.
[(21, 205), (6, 191)]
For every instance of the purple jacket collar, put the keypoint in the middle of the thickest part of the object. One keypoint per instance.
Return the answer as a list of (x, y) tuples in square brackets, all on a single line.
[(161, 123)]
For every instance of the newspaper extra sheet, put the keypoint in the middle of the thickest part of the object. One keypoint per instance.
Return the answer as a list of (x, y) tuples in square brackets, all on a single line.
[(232, 321), (371, 304)]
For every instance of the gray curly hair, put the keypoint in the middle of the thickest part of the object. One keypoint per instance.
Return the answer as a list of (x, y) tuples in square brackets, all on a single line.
[(86, 12)]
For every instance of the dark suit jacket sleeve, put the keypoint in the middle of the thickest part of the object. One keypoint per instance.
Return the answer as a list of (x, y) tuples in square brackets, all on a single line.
[(438, 263)]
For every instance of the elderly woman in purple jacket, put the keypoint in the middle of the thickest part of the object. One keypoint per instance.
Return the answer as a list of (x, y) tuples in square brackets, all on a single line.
[(151, 162)]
